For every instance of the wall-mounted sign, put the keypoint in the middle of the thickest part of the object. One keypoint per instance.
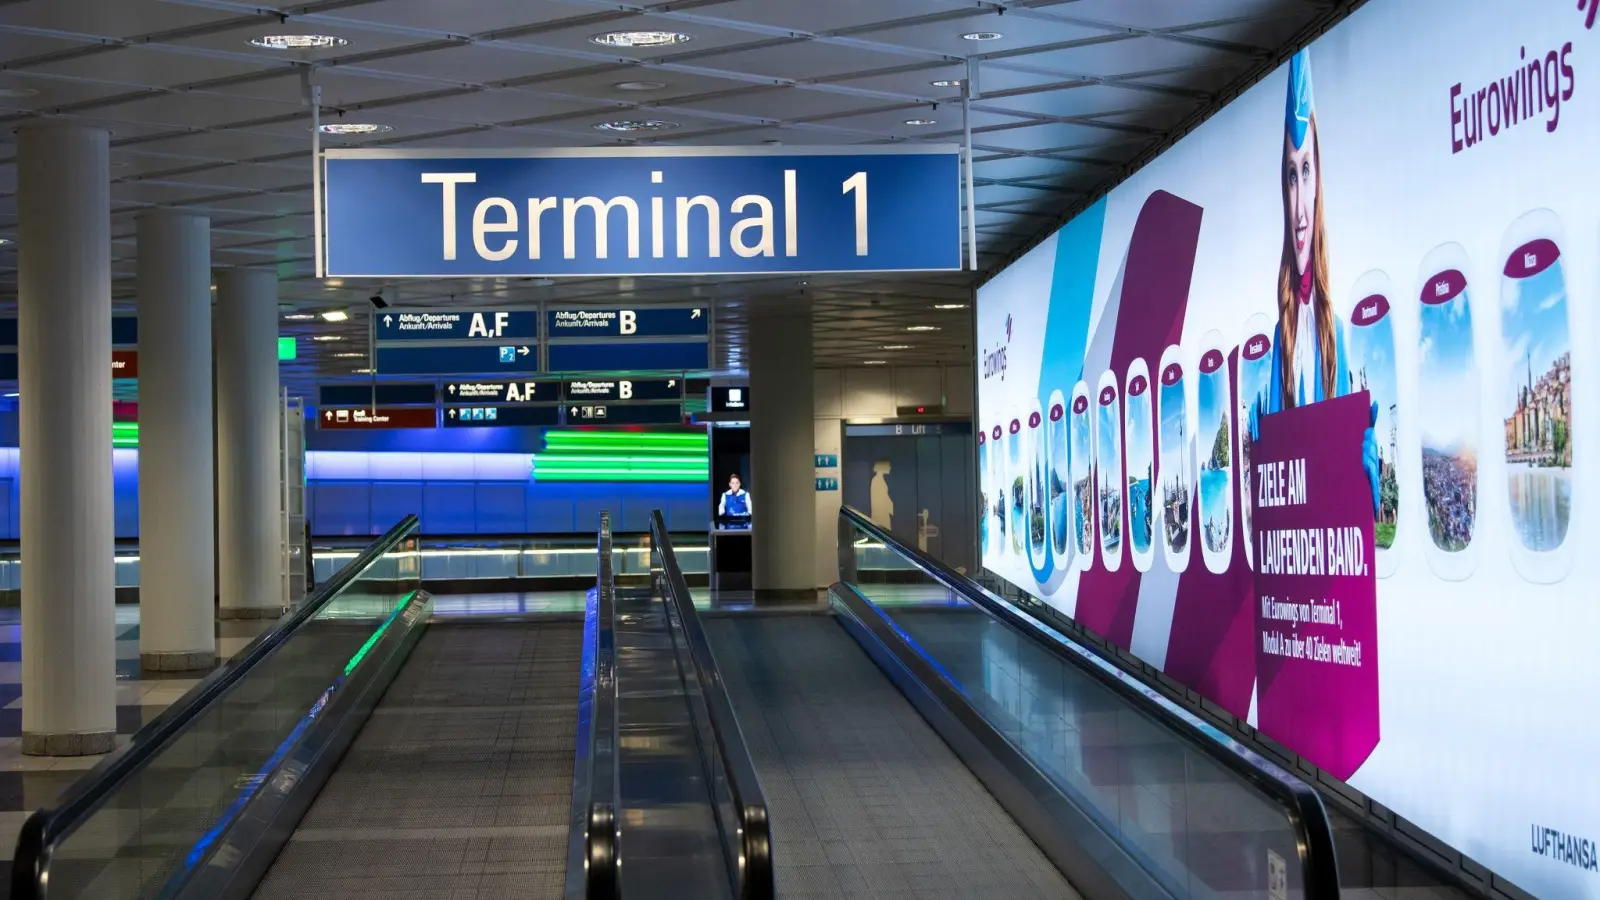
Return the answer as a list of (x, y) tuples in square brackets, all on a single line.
[(509, 391), (603, 389), (388, 394), (485, 325), (287, 349), (124, 364), (365, 417), (642, 211), (724, 399), (825, 461), (827, 484), (641, 322), (623, 413), (500, 416)]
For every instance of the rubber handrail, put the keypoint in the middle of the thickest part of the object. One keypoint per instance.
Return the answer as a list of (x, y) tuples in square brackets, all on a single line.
[(600, 837), (44, 829), (1307, 815), (755, 876)]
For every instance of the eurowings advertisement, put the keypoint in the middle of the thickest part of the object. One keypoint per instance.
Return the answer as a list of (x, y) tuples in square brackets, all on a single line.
[(1306, 413)]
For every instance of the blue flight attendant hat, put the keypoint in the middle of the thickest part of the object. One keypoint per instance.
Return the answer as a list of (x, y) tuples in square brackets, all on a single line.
[(1297, 115)]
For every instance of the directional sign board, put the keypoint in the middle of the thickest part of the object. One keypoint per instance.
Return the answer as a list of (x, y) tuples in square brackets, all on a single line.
[(638, 322), (454, 359), (364, 417), (486, 325), (388, 394), (625, 356), (507, 391), (623, 413), (632, 211), (601, 390), (501, 416)]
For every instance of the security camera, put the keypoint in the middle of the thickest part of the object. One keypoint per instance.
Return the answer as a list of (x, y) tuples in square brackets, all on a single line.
[(377, 301)]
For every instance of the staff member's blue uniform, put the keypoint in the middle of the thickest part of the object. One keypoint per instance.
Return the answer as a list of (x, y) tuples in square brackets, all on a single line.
[(734, 504)]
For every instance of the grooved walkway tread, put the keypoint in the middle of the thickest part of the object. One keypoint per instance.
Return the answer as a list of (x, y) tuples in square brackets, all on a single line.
[(459, 785), (866, 799)]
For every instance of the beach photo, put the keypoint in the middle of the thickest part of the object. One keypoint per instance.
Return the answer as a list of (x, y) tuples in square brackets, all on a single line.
[(1059, 476), (1016, 473), (1447, 414), (1176, 471), (1140, 456), (1215, 450), (1108, 470), (1082, 475), (1370, 358), (1254, 380), (1535, 395), (1034, 448)]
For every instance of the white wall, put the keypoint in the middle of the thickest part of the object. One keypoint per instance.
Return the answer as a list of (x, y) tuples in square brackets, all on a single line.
[(864, 395)]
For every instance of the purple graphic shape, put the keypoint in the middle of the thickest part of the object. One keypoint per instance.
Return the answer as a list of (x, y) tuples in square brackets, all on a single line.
[(1155, 295), (1320, 697), (1211, 647)]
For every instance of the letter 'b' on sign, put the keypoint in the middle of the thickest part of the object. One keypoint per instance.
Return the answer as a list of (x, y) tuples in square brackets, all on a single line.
[(628, 320)]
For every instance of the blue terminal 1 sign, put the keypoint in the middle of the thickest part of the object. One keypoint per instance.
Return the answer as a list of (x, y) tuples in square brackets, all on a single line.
[(642, 211)]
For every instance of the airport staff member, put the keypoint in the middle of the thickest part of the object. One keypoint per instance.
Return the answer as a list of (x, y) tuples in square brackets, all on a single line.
[(735, 501)]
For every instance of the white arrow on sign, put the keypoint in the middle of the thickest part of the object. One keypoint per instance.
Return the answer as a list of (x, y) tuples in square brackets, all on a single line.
[(574, 410), (452, 389), (672, 382), (328, 414), (388, 320), (452, 414), (522, 351), (695, 314)]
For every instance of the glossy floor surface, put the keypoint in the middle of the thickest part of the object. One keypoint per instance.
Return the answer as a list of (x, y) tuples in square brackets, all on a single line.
[(866, 799), (460, 783)]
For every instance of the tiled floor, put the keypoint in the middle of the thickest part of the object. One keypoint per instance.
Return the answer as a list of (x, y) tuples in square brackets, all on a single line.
[(29, 782)]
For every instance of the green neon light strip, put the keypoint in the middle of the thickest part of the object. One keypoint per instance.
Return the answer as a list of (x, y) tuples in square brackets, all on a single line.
[(679, 462), (590, 475), (367, 647), (624, 438), (124, 435)]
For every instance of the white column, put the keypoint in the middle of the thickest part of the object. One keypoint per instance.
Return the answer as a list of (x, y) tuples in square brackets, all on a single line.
[(64, 336), (782, 477), (248, 490), (177, 584)]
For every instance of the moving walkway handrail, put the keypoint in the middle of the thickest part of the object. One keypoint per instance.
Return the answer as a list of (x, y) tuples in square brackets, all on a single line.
[(37, 840), (753, 876), (600, 827), (1306, 812)]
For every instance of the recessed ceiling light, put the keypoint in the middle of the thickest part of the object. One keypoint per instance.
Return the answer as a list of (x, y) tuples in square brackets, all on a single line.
[(982, 36), (298, 41), (4, 241), (354, 128), (897, 346), (946, 82), (18, 92), (292, 317), (334, 315), (949, 306), (922, 328), (874, 362), (628, 126), (324, 338), (640, 85), (922, 121), (363, 371), (356, 355), (641, 38)]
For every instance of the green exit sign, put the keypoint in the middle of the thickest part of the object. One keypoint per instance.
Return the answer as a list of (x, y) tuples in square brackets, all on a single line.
[(286, 348)]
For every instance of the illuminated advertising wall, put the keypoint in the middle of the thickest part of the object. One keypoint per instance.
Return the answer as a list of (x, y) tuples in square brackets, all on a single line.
[(1306, 413)]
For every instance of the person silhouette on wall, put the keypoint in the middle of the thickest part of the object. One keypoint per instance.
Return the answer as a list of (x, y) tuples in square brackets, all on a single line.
[(881, 510)]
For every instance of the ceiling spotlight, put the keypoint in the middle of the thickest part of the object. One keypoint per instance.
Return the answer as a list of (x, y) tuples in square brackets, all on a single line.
[(946, 82), (325, 338), (297, 42), (982, 36), (635, 125), (640, 85), (897, 346), (874, 362), (334, 315), (949, 306), (348, 128), (364, 371), (299, 317), (922, 121), (18, 92), (641, 38), (356, 355), (4, 241), (922, 328)]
